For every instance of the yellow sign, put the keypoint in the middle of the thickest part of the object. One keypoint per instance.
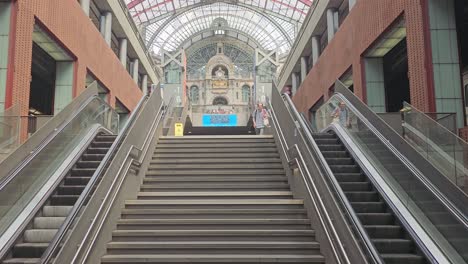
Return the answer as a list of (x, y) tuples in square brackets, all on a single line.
[(179, 130)]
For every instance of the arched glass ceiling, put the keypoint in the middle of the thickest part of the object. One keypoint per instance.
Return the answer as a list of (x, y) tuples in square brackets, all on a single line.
[(168, 23)]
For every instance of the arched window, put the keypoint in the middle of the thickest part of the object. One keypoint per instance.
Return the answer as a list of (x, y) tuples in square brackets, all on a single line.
[(245, 94), (194, 94)]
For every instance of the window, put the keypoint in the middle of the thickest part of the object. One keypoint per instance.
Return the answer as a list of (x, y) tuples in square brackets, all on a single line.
[(245, 94)]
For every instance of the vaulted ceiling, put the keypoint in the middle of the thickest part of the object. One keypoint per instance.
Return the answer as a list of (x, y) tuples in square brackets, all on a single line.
[(270, 24)]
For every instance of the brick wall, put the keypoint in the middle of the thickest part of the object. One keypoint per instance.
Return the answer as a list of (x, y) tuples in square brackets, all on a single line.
[(368, 20), (68, 24)]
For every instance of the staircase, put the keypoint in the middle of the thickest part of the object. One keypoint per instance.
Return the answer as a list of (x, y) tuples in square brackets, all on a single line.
[(42, 229), (220, 199), (390, 239)]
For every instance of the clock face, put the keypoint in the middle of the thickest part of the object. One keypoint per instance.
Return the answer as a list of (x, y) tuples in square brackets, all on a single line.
[(219, 74)]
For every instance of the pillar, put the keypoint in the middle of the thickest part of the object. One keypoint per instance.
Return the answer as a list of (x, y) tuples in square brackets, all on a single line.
[(294, 83), (123, 52), (332, 23), (144, 84), (63, 85), (375, 84), (85, 6), (303, 68), (135, 70), (108, 28), (315, 49), (102, 24), (5, 13), (446, 59), (351, 4)]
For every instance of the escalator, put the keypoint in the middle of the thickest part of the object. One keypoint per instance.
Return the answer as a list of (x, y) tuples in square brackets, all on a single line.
[(41, 230), (389, 237), (44, 193)]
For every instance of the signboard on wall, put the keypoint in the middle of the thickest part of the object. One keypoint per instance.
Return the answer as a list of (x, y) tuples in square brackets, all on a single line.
[(219, 120)]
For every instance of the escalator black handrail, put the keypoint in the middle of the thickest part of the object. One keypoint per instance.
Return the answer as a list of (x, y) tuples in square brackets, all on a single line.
[(5, 181), (315, 201), (54, 244), (451, 207), (317, 154)]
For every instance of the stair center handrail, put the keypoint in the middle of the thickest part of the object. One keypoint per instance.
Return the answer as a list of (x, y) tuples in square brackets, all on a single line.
[(324, 218), (55, 243), (129, 160)]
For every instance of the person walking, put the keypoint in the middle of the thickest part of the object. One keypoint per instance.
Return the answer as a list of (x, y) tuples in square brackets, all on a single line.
[(259, 116)]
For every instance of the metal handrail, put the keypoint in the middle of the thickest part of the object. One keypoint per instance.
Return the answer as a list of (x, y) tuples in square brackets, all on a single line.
[(6, 180), (334, 183), (129, 160), (54, 244), (320, 207)]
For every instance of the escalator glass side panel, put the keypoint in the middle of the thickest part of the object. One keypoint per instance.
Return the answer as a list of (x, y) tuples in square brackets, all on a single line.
[(447, 231), (439, 145), (18, 192)]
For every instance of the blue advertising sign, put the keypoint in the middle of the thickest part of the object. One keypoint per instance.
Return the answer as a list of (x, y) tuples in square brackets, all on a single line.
[(219, 120)]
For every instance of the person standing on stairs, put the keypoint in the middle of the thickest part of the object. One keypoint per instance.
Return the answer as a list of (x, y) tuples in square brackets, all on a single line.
[(260, 118)]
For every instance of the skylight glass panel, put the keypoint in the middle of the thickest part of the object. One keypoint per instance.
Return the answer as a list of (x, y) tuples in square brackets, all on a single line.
[(169, 23)]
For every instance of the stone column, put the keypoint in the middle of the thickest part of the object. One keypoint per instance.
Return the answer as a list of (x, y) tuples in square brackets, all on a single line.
[(108, 28), (303, 68), (123, 52), (135, 70), (332, 23), (315, 49), (294, 83), (85, 6), (144, 84)]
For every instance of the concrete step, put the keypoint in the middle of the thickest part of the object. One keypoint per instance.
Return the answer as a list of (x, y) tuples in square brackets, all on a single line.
[(217, 172), (213, 247), (230, 179), (213, 223), (206, 204), (215, 140), (208, 186), (214, 194), (216, 150), (243, 155), (276, 234), (211, 146), (213, 213), (198, 160), (213, 258), (209, 166)]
